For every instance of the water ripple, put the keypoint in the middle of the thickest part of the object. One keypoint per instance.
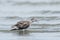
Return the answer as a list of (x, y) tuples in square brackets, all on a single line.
[(36, 3), (30, 3), (51, 18)]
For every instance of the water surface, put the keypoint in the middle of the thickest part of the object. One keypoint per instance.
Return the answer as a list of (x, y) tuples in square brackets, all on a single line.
[(46, 11)]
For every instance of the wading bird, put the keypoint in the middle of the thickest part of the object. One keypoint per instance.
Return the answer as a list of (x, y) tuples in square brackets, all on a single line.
[(23, 24)]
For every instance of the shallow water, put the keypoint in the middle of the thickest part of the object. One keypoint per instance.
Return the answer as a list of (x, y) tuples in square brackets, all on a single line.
[(46, 11), (30, 36)]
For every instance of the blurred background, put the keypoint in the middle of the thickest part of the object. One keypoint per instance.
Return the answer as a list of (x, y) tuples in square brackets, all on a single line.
[(46, 11)]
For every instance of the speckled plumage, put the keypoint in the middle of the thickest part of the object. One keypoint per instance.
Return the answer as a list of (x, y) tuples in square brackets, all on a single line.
[(22, 24)]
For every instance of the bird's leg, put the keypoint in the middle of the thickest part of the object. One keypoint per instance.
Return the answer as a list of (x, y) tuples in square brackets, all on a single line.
[(23, 31)]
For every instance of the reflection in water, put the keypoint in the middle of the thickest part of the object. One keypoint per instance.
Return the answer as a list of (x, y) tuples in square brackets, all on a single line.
[(22, 33)]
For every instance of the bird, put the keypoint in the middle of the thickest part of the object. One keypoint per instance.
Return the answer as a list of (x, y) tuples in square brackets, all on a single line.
[(24, 24)]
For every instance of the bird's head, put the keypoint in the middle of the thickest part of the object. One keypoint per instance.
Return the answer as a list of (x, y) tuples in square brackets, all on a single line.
[(33, 19)]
